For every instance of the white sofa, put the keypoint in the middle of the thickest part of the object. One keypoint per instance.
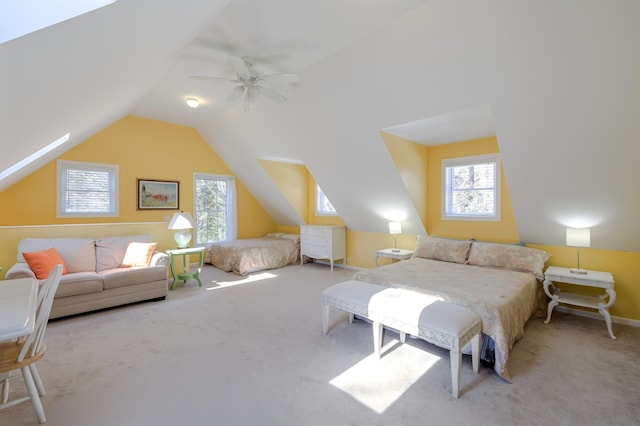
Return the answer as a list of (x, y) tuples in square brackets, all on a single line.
[(95, 279)]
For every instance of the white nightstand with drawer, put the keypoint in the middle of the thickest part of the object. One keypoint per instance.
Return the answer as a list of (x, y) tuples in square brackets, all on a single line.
[(323, 242), (602, 302)]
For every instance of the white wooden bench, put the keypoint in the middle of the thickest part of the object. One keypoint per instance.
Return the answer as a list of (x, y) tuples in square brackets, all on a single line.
[(445, 324)]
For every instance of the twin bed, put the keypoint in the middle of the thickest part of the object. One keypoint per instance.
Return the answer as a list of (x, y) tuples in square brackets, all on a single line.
[(245, 256), (499, 282)]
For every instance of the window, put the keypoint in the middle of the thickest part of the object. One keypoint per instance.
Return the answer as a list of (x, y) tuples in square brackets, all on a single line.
[(471, 188), (87, 189), (323, 205), (215, 208)]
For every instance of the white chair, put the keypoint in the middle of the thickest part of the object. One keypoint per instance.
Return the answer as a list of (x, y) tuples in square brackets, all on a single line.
[(22, 354)]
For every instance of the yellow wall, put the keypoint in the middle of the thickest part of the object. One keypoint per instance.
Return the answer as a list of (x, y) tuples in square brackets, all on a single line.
[(292, 180), (411, 160), (143, 149)]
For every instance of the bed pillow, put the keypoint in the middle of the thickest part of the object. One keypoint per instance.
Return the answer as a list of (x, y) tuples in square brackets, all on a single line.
[(291, 237), (138, 255), (42, 262), (442, 249), (507, 256), (274, 235)]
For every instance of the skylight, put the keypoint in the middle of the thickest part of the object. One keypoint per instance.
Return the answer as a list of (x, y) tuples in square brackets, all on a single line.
[(33, 157), (18, 18)]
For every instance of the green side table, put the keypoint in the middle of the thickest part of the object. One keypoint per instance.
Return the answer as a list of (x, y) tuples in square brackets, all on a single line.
[(186, 274)]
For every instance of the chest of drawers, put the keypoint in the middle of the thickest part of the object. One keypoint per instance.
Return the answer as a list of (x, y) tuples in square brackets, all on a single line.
[(323, 242)]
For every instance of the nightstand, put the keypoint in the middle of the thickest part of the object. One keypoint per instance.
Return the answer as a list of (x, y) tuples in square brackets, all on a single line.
[(597, 279), (400, 254)]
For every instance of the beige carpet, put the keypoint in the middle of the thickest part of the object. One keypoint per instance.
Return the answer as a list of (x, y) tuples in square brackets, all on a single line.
[(251, 352)]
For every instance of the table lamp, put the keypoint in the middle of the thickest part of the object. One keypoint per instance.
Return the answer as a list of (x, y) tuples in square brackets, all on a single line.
[(579, 238), (394, 229), (182, 223)]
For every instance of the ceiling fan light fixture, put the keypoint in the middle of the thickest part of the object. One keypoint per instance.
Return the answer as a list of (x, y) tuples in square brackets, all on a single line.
[(250, 84), (193, 102)]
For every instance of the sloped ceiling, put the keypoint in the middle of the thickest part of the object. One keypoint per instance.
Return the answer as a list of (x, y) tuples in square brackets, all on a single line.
[(560, 80)]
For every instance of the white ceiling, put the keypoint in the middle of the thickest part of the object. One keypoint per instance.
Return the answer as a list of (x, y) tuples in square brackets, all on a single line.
[(557, 82)]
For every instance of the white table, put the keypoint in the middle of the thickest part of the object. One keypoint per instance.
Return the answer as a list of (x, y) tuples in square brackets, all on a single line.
[(596, 279), (18, 304), (400, 254)]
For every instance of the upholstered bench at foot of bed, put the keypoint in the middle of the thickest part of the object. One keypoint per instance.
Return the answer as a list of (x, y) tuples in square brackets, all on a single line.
[(445, 324)]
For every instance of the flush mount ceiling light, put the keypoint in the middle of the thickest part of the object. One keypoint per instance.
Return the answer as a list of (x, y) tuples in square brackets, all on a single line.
[(193, 102)]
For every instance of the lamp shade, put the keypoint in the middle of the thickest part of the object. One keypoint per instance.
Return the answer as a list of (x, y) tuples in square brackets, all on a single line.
[(579, 237), (395, 228), (181, 221)]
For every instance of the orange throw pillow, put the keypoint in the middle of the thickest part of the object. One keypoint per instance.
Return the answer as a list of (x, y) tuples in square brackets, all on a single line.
[(42, 262), (138, 254)]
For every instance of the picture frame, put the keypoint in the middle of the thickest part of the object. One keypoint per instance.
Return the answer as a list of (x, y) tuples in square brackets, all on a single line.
[(158, 194)]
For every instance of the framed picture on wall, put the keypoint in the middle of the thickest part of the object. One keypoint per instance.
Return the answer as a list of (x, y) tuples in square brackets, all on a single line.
[(158, 194)]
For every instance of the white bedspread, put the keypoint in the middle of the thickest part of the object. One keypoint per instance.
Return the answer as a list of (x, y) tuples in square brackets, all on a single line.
[(504, 299)]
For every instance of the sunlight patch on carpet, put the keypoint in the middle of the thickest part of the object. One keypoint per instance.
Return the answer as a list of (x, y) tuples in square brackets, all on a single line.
[(378, 383), (251, 278)]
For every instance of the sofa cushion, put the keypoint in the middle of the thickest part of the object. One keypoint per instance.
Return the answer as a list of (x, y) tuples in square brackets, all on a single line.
[(110, 251), (121, 277), (78, 254), (79, 283), (42, 262), (138, 254)]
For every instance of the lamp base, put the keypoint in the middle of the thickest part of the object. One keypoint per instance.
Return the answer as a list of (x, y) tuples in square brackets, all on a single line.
[(578, 271), (182, 238)]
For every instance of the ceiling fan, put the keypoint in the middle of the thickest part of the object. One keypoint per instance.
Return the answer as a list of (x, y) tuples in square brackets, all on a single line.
[(251, 84)]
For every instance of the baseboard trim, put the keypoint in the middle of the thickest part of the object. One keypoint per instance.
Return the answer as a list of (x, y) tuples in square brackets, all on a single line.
[(595, 315)]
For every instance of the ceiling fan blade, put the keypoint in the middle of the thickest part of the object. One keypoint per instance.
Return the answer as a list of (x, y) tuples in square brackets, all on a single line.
[(280, 78), (239, 65), (235, 94), (206, 77), (272, 94)]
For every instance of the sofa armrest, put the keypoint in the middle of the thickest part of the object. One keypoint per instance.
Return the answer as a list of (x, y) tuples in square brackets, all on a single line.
[(19, 270), (160, 259)]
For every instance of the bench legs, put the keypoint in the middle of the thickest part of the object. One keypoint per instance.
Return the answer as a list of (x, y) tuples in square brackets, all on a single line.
[(378, 332), (456, 360), (455, 355)]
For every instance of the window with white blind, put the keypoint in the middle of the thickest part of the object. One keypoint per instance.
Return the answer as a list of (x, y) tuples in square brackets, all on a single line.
[(471, 188), (215, 208), (87, 189), (323, 205)]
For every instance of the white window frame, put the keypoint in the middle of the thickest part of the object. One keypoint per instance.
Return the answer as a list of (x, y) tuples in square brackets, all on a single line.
[(447, 189), (62, 166), (321, 201), (231, 223)]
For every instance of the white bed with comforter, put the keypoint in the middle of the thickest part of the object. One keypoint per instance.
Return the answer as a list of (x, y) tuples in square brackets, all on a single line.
[(499, 282), (247, 255)]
